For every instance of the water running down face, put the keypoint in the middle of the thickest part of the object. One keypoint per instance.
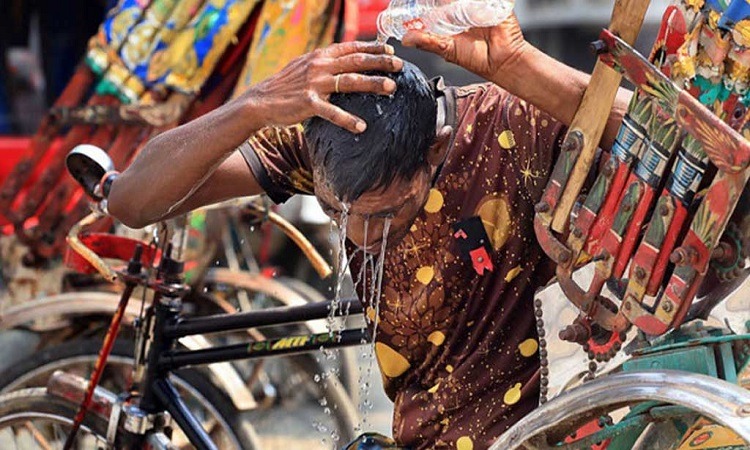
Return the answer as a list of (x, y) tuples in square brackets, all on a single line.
[(400, 202), (385, 172)]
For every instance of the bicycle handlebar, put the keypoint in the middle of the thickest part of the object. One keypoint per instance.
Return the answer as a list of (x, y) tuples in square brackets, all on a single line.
[(86, 253), (319, 264)]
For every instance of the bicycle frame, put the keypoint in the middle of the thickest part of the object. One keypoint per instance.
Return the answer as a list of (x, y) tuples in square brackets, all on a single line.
[(166, 326)]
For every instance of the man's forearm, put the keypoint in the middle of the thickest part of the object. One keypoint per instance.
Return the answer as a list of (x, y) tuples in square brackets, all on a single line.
[(175, 163), (555, 88)]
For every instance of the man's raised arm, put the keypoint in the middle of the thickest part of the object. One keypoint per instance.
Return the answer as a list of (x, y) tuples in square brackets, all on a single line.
[(195, 164), (501, 55)]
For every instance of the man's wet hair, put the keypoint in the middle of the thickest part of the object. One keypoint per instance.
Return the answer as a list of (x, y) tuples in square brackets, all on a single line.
[(400, 131)]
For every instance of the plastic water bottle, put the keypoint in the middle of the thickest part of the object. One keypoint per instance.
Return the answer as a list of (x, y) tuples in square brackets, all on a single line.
[(443, 17)]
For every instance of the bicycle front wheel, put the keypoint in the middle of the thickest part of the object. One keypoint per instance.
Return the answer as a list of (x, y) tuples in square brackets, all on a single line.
[(208, 403)]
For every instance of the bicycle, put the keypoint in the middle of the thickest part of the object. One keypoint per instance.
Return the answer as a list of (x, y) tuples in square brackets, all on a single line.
[(132, 421), (63, 328)]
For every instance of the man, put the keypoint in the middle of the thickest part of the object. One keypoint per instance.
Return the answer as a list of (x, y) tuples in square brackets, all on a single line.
[(454, 172)]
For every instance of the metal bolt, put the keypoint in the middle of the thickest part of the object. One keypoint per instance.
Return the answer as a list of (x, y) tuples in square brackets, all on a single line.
[(598, 47), (627, 207), (640, 273), (627, 306), (608, 170), (664, 210), (679, 256), (573, 142), (564, 256), (541, 207), (667, 306), (744, 410), (577, 232)]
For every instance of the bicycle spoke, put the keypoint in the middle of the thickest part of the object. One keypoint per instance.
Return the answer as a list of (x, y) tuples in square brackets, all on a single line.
[(37, 436)]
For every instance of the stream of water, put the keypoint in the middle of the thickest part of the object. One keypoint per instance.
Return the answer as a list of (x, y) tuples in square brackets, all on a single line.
[(369, 288)]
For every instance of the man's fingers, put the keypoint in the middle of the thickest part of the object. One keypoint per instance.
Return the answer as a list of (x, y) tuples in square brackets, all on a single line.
[(356, 82), (428, 42), (346, 48), (361, 62), (339, 117)]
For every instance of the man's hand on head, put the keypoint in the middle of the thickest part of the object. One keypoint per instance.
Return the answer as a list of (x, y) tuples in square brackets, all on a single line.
[(301, 90)]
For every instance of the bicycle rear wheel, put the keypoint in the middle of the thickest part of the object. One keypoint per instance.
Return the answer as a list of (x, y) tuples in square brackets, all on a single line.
[(31, 419)]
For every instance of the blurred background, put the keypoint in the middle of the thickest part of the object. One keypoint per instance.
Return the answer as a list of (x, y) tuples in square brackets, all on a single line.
[(41, 41)]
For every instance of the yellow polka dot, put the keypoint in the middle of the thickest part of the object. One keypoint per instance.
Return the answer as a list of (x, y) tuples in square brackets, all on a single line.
[(464, 443), (469, 127), (425, 274), (513, 395), (391, 362), (433, 389), (445, 422), (449, 368), (434, 201), (512, 273), (436, 337), (413, 228), (495, 215), (506, 140), (528, 347), (545, 122)]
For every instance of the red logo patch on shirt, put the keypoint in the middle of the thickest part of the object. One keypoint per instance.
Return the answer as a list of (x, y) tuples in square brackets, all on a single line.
[(474, 244)]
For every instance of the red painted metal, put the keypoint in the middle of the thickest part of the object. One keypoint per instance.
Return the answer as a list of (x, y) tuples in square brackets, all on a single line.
[(368, 13), (109, 246), (39, 146)]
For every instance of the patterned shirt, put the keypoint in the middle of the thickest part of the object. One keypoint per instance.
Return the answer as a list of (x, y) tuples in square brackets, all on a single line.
[(456, 340)]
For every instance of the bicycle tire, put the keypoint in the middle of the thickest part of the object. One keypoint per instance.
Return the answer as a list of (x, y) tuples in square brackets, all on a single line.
[(194, 381), (27, 404)]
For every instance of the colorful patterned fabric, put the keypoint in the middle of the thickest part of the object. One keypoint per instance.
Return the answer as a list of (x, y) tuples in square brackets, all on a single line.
[(286, 30), (456, 341), (164, 43), (154, 45)]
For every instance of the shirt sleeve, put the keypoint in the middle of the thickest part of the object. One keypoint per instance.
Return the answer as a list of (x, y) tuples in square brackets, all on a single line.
[(279, 160)]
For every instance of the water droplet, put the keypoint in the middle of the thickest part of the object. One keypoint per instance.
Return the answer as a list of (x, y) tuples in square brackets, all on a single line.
[(316, 378), (380, 110)]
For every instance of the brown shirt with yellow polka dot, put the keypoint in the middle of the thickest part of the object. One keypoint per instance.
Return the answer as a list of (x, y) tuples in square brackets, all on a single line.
[(456, 339)]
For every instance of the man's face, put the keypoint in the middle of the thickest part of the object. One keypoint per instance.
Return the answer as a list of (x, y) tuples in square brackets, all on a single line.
[(400, 202)]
